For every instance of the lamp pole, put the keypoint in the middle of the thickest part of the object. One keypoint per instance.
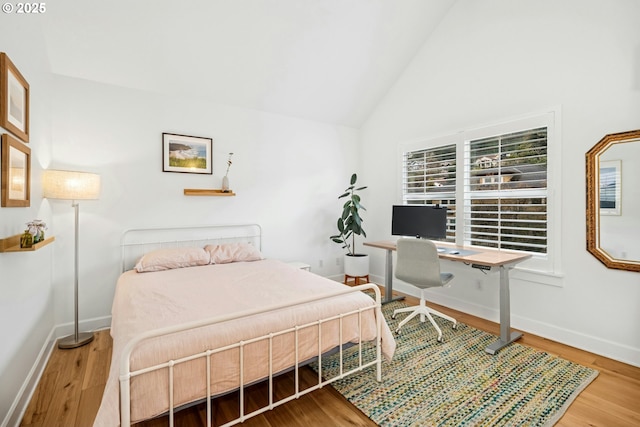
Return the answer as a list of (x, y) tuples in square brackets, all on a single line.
[(78, 339)]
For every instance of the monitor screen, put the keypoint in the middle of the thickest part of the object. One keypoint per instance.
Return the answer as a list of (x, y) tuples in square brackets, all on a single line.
[(427, 222)]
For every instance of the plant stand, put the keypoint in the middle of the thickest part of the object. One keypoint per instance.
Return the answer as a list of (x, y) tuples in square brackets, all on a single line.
[(355, 279)]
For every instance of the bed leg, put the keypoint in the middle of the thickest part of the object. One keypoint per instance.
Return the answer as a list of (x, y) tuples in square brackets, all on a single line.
[(125, 404)]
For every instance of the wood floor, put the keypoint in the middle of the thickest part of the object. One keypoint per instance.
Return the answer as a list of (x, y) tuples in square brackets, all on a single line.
[(71, 387)]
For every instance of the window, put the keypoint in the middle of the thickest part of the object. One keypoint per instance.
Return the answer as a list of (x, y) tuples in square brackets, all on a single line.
[(430, 179), (505, 197), (495, 182)]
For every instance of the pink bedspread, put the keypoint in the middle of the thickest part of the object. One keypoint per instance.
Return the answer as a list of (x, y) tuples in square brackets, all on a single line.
[(147, 301)]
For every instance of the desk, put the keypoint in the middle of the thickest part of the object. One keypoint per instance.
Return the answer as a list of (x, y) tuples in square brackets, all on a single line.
[(482, 259)]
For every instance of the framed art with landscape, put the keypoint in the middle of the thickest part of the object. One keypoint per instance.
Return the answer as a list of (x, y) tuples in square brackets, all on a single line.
[(16, 172), (186, 154), (14, 99)]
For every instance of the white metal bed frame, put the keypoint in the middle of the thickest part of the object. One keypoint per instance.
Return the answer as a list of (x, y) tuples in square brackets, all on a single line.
[(143, 240), (136, 242)]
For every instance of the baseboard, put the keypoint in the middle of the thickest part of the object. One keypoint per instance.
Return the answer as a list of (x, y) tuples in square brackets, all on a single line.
[(19, 406), (20, 403), (612, 350), (597, 345), (86, 325)]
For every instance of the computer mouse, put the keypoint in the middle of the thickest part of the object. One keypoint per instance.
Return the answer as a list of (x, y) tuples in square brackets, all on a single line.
[(454, 252)]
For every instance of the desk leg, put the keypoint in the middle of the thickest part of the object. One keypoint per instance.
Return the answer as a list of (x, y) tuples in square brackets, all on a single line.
[(506, 335), (388, 280)]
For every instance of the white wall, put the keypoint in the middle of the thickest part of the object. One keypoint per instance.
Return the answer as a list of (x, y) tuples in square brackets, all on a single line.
[(287, 174), (26, 309), (493, 60)]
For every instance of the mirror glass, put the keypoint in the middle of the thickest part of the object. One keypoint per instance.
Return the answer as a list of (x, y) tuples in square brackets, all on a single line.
[(613, 200)]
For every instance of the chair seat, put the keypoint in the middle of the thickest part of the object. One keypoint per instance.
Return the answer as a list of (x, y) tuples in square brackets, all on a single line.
[(419, 265)]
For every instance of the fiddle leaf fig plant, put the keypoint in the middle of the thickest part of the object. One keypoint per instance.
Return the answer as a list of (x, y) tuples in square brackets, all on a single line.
[(350, 222)]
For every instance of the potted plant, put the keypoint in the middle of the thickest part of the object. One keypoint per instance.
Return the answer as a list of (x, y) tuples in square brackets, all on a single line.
[(349, 226)]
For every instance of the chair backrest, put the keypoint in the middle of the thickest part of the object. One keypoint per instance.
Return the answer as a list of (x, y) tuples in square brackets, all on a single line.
[(418, 263)]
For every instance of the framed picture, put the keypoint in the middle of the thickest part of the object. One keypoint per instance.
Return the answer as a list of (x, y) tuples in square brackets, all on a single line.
[(14, 99), (187, 154), (16, 172), (610, 187)]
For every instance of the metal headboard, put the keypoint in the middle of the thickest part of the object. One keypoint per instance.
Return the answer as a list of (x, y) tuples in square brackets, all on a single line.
[(139, 241)]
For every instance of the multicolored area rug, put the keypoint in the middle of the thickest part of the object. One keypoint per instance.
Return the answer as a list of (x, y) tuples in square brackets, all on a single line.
[(456, 383)]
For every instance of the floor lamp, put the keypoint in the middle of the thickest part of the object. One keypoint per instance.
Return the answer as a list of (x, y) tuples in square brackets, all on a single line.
[(69, 185)]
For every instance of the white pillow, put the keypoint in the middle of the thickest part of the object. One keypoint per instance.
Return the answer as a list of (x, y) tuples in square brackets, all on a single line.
[(233, 252), (169, 258)]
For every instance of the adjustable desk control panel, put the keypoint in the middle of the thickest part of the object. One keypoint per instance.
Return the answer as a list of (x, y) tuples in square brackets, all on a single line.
[(481, 267)]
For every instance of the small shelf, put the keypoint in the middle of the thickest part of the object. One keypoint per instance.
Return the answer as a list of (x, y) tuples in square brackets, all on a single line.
[(12, 244), (205, 192)]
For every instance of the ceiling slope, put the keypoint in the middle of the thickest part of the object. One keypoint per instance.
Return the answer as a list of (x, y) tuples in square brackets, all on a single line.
[(324, 60)]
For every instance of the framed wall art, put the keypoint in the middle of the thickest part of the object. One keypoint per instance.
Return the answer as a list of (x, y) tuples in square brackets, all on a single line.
[(14, 99), (16, 173), (186, 154)]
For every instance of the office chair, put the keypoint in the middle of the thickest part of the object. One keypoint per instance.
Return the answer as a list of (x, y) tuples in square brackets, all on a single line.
[(418, 264)]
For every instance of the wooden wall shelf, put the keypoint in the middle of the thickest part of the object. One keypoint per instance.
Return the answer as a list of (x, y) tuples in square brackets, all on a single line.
[(12, 244), (205, 192)]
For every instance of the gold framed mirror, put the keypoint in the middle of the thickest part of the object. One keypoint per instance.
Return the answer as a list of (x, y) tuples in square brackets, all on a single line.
[(613, 200)]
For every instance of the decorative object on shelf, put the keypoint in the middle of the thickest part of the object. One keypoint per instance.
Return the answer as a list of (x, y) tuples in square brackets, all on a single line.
[(14, 99), (36, 229), (225, 178), (26, 240), (186, 154), (12, 243), (70, 185), (16, 173), (349, 226)]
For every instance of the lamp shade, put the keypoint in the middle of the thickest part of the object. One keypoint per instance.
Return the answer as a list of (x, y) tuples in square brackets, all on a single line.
[(70, 185)]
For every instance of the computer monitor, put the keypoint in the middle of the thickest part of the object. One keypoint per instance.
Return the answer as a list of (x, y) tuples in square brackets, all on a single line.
[(422, 221)]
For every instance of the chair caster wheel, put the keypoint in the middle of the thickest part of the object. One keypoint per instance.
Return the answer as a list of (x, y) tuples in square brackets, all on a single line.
[(393, 316), (398, 331), (455, 327), (440, 340)]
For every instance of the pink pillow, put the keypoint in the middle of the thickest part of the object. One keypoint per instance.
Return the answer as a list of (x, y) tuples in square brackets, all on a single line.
[(233, 252), (169, 258)]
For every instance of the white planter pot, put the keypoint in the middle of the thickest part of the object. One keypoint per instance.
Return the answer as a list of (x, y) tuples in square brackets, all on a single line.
[(356, 265)]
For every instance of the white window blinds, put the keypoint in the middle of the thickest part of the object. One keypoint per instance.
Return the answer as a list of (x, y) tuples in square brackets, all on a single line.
[(429, 178), (505, 191), (501, 184)]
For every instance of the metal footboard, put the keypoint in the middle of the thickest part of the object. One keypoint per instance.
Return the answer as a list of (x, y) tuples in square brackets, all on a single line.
[(126, 374)]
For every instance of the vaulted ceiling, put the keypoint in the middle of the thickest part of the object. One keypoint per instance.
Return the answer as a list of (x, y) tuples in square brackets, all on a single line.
[(324, 60)]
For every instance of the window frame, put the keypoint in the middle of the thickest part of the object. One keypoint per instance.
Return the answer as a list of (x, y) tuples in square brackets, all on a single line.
[(538, 266)]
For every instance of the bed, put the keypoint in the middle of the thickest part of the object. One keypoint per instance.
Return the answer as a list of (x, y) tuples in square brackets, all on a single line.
[(198, 312)]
